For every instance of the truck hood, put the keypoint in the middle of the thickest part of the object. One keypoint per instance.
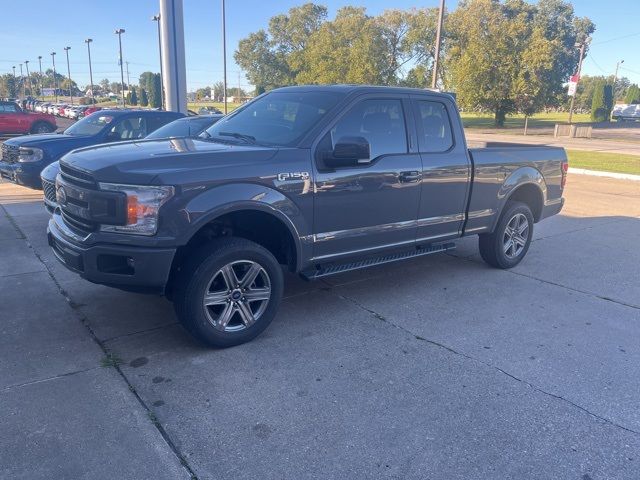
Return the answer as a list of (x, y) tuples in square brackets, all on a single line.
[(145, 161), (46, 140)]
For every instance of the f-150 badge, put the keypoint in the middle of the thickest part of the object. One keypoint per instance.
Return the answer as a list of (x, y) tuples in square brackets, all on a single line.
[(287, 176)]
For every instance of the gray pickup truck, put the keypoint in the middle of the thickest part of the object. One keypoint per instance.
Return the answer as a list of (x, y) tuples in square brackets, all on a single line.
[(319, 179)]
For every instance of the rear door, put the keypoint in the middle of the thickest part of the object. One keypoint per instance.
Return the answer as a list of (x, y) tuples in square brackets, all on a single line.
[(446, 171), (362, 208), (12, 120)]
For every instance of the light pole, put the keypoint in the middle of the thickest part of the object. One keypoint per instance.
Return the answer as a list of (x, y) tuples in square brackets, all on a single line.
[(613, 89), (55, 79), (128, 81), (156, 18), (582, 46), (436, 56), (40, 79), (66, 49), (15, 82), (119, 32), (26, 64), (224, 59), (88, 42), (22, 82)]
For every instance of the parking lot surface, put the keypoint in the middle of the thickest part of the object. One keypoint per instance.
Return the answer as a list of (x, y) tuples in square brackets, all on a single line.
[(437, 368)]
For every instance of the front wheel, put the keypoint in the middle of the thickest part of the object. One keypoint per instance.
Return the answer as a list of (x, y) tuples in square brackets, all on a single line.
[(228, 291), (507, 245)]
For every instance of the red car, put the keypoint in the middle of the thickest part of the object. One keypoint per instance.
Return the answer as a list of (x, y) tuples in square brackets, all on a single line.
[(14, 120), (89, 110)]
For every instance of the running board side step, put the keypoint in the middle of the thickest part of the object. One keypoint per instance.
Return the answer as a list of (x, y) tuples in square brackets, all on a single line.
[(335, 268)]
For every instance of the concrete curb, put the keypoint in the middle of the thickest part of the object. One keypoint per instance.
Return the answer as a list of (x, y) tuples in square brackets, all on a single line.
[(621, 176)]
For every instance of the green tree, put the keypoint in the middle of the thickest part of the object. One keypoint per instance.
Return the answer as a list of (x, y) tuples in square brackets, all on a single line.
[(155, 93), (144, 100), (608, 99), (512, 55), (599, 111), (133, 97), (633, 94), (8, 86), (217, 92), (203, 93)]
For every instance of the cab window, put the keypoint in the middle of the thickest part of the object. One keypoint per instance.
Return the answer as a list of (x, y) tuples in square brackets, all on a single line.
[(434, 127)]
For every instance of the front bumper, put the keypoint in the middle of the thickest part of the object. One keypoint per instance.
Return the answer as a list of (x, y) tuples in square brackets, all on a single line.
[(22, 173), (127, 267)]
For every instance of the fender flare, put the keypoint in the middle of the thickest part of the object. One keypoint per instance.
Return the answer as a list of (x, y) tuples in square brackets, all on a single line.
[(224, 199), (519, 177)]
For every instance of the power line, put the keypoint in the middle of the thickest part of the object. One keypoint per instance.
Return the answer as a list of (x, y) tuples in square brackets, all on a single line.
[(617, 38)]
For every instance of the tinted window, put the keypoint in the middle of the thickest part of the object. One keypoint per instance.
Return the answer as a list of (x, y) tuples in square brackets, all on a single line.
[(177, 128), (434, 128), (381, 122), (278, 118), (156, 121)]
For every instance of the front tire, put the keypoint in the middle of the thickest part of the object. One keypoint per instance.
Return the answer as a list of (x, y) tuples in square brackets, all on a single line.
[(508, 244), (228, 291)]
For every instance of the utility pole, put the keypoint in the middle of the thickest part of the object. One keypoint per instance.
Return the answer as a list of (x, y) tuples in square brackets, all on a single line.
[(582, 46), (128, 82), (119, 32), (22, 82), (66, 49), (26, 64), (55, 79), (224, 59), (40, 79), (88, 42), (436, 57), (156, 18), (613, 89)]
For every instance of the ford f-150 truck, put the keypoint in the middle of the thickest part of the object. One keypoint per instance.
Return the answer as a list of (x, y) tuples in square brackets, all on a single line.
[(319, 179)]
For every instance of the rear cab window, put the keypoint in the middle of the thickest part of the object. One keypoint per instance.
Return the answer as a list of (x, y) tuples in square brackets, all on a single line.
[(433, 125)]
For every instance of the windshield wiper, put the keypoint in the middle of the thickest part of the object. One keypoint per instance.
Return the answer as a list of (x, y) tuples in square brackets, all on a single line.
[(241, 136)]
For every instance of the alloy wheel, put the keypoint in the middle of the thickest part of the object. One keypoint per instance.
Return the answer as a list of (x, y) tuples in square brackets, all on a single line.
[(516, 235)]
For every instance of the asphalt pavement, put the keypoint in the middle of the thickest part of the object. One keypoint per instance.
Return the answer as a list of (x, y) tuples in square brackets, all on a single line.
[(436, 368)]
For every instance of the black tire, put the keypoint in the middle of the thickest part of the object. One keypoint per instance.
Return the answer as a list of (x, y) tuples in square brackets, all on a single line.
[(199, 273), (493, 245), (41, 127)]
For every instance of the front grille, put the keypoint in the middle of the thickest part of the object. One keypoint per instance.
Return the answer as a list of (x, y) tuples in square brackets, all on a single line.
[(78, 225), (77, 177), (10, 153), (49, 189)]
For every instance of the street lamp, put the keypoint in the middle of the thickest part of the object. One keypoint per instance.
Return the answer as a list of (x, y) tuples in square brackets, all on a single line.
[(55, 79), (582, 46), (119, 32), (66, 49), (88, 42), (615, 80), (22, 82), (26, 64), (156, 18), (40, 79), (15, 82)]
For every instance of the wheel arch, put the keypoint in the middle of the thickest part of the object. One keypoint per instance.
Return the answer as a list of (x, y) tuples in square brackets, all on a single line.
[(527, 185)]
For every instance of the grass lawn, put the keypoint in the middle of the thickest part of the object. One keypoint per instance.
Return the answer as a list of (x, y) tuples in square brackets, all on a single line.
[(195, 106), (485, 120), (604, 162)]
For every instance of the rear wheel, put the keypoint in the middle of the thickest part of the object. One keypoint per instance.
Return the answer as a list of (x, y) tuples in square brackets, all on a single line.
[(507, 245), (41, 127), (228, 291)]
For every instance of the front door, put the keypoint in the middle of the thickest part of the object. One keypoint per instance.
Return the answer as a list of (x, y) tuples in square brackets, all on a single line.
[(446, 170), (373, 205)]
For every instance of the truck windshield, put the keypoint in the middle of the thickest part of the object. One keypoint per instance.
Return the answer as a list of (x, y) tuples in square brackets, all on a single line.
[(90, 125), (276, 119)]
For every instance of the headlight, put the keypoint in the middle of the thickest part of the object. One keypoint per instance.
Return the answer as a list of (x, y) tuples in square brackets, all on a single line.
[(27, 154), (143, 206)]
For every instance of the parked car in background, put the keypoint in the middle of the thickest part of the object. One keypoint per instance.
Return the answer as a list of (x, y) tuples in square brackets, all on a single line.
[(318, 179), (185, 127), (23, 158), (14, 120), (89, 110), (208, 110), (626, 112)]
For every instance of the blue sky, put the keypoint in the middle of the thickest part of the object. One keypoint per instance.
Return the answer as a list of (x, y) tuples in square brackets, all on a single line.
[(40, 30)]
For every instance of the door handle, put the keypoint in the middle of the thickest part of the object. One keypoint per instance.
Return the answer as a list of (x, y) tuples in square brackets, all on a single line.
[(410, 176)]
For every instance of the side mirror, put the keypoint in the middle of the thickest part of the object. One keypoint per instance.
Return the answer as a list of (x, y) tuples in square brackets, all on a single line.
[(349, 151)]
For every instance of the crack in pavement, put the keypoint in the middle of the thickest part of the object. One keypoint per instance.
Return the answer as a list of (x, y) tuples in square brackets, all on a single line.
[(477, 360), (48, 379), (85, 322)]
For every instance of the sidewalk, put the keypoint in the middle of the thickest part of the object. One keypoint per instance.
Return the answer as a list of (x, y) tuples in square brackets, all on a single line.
[(63, 414)]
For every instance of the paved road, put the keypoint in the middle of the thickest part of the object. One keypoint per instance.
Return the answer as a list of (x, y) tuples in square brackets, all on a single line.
[(589, 144), (441, 368)]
